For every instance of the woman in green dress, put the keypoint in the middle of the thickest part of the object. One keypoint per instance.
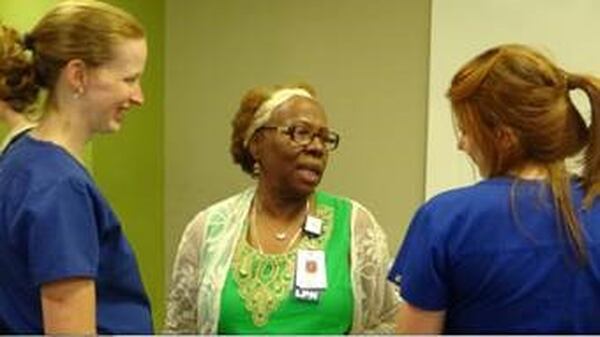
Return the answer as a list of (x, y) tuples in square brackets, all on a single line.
[(282, 257)]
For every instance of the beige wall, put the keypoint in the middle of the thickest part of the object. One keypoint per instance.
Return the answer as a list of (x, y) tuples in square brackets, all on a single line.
[(368, 61)]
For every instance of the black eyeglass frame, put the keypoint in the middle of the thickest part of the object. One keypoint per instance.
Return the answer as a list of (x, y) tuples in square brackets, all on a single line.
[(330, 139)]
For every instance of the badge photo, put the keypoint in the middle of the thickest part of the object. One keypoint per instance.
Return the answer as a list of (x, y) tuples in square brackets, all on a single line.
[(311, 273)]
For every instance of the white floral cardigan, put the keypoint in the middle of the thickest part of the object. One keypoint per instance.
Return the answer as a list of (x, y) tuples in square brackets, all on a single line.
[(204, 258)]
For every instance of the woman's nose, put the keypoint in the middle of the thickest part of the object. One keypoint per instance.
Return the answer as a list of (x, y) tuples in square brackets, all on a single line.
[(137, 97)]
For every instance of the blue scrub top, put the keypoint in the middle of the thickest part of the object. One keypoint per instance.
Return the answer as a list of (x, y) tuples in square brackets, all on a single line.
[(55, 224), (495, 259)]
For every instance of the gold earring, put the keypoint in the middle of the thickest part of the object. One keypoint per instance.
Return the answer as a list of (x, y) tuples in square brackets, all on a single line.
[(256, 169), (78, 93)]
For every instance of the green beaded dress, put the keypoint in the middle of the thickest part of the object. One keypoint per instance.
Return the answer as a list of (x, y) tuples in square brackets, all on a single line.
[(257, 296)]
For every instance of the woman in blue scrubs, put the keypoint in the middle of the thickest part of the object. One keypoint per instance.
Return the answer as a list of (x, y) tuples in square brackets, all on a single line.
[(67, 267), (518, 252)]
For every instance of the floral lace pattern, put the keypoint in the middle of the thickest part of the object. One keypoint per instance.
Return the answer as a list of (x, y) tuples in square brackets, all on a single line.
[(265, 280), (205, 255), (377, 299)]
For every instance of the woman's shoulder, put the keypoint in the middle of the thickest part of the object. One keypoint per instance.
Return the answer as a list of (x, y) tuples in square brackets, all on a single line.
[(361, 217), (329, 197), (221, 209), (459, 207), (479, 193), (342, 201), (32, 170), (232, 202), (43, 160)]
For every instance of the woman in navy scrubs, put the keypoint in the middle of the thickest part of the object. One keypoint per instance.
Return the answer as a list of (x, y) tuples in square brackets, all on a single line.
[(67, 267), (518, 252)]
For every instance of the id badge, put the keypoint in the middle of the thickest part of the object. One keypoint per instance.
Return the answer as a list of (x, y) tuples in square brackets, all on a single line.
[(311, 273), (313, 225)]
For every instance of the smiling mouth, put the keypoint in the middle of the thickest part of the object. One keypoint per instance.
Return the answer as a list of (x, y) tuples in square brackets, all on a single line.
[(121, 111), (120, 114)]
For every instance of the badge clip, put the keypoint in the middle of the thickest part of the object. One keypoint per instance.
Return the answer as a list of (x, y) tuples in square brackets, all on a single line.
[(313, 226)]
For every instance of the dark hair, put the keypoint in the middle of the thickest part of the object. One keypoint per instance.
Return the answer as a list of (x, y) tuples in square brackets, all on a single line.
[(251, 102), (516, 87), (18, 85)]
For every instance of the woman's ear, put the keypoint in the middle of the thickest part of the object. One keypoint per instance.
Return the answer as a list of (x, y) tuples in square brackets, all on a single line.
[(76, 74)]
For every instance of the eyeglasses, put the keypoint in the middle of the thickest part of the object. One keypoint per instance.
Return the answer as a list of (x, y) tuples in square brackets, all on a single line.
[(303, 135)]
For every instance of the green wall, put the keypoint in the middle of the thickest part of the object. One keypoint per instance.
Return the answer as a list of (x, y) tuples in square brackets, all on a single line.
[(128, 166), (23, 14)]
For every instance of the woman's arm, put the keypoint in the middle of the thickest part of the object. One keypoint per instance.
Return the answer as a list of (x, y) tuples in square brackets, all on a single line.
[(181, 315), (69, 307), (413, 320), (378, 299)]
